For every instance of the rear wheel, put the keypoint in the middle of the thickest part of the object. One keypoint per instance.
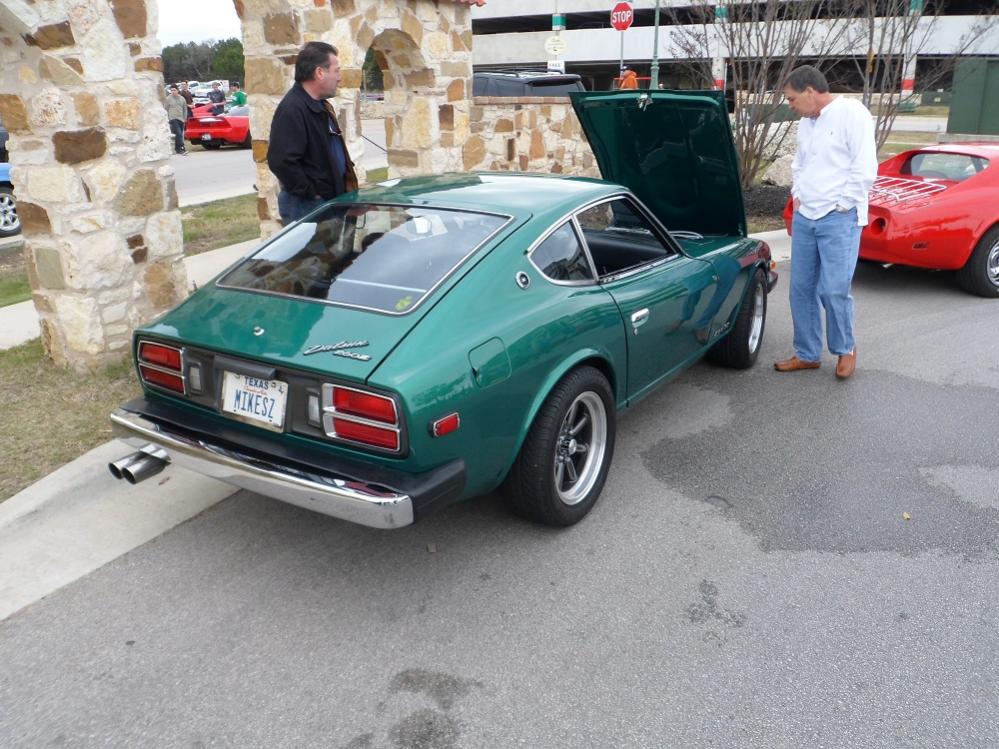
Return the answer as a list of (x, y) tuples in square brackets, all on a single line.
[(563, 463), (740, 348), (247, 142), (10, 224), (980, 275)]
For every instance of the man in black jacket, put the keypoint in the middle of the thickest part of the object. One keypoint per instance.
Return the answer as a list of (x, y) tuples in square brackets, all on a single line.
[(307, 152)]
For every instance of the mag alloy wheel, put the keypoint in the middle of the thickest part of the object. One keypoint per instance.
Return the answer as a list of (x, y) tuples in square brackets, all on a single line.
[(579, 450)]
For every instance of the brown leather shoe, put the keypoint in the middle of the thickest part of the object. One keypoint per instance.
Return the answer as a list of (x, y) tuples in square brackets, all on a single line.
[(846, 365), (794, 364)]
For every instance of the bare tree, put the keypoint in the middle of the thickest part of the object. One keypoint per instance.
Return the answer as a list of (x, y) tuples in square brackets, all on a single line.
[(763, 42), (894, 33)]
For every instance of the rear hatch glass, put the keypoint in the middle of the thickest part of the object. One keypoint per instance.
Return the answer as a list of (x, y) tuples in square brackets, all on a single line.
[(386, 258)]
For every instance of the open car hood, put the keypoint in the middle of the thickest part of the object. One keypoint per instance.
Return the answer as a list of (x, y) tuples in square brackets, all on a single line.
[(673, 149)]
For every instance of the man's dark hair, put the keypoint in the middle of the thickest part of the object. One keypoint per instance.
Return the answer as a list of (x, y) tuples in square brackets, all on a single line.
[(174, 87), (233, 84), (804, 76), (313, 55)]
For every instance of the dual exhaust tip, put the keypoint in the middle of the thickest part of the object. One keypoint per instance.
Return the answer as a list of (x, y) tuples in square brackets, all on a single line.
[(140, 465)]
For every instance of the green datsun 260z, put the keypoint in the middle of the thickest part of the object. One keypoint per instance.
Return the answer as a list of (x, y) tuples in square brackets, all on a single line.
[(431, 339)]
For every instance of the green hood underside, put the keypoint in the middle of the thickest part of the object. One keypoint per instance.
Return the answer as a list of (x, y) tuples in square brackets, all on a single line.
[(673, 149)]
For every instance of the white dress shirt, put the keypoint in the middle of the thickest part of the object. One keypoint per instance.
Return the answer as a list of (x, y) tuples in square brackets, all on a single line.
[(836, 161)]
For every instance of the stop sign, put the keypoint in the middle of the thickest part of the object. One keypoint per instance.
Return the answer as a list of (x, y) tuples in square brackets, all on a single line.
[(621, 16)]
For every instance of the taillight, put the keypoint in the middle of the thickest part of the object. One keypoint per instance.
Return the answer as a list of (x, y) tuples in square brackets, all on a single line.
[(162, 366), (361, 416)]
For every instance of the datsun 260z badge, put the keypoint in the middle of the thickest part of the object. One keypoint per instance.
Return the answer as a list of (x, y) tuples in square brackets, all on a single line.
[(343, 348)]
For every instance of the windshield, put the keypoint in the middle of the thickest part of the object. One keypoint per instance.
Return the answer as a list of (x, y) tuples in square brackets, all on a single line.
[(381, 257)]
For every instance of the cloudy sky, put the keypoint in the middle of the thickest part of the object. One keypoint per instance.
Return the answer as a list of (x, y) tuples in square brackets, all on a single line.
[(196, 20)]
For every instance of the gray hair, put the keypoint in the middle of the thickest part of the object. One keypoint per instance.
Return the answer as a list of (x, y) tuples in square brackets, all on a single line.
[(806, 76)]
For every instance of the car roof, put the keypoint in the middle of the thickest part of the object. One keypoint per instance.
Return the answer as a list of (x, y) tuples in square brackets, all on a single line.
[(985, 150), (521, 195), (527, 75)]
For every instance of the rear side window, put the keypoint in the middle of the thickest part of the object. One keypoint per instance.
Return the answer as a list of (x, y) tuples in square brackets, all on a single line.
[(381, 257), (561, 256), (952, 166)]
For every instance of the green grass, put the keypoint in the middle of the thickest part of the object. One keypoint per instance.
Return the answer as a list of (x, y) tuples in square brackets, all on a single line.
[(51, 414), (220, 223), (14, 286)]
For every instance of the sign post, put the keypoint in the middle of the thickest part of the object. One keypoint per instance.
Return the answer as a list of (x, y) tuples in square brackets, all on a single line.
[(621, 18), (555, 45)]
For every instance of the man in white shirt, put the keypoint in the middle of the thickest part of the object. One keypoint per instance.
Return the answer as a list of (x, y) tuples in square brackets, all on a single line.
[(833, 171)]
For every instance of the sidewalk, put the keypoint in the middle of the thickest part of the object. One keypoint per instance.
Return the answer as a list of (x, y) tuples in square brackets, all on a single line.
[(79, 518)]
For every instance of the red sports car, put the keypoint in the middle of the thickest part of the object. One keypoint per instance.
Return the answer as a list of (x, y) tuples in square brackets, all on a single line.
[(937, 207), (215, 130)]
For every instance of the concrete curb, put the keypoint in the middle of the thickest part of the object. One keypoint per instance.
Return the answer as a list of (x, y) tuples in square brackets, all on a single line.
[(79, 518)]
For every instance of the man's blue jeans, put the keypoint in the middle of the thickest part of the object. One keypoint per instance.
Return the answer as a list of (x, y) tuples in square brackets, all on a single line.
[(292, 208), (823, 259)]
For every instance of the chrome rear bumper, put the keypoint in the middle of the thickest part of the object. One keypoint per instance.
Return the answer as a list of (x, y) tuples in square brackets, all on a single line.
[(340, 498)]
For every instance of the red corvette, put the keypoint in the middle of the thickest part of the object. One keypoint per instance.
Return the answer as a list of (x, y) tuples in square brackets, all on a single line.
[(213, 131), (937, 207)]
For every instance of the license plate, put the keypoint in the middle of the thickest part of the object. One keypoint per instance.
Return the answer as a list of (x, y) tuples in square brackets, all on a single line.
[(256, 401), (206, 136)]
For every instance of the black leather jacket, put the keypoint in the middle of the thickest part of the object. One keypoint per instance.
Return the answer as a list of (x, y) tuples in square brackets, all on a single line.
[(299, 151)]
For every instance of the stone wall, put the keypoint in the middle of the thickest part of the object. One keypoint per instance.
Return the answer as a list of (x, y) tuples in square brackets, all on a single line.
[(81, 94), (529, 135)]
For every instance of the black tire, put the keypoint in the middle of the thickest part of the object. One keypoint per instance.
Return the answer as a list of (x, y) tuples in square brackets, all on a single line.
[(211, 146), (536, 488), (740, 348), (980, 275), (10, 224), (247, 142)]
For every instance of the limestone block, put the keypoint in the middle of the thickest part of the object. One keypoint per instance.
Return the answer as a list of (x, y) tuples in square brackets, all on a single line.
[(130, 15), (416, 124), (156, 144), (55, 70), (456, 90), (265, 75), (105, 180), (80, 324), (74, 147), (436, 45), (34, 219), (47, 109), (163, 284), (473, 152), (47, 267), (14, 113), (52, 36), (253, 34), (281, 28), (318, 21), (123, 113), (412, 26), (95, 261), (164, 235), (27, 76), (149, 65), (84, 16), (779, 172), (114, 313), (90, 222), (87, 110), (142, 195), (105, 58), (56, 184)]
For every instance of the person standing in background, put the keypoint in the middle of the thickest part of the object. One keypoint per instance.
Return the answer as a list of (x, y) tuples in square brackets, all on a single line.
[(629, 78), (833, 170), (307, 152), (237, 97), (176, 109)]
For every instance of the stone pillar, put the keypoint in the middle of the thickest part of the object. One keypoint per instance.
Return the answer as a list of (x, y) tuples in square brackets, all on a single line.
[(82, 92)]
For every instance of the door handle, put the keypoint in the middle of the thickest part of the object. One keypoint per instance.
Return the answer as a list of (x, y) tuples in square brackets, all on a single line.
[(639, 318)]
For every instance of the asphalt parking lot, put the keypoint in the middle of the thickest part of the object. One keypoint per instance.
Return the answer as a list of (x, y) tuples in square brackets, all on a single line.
[(777, 560)]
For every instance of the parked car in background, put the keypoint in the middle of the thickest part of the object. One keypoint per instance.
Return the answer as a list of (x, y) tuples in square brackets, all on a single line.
[(10, 224), (524, 83), (430, 339), (216, 130), (936, 207)]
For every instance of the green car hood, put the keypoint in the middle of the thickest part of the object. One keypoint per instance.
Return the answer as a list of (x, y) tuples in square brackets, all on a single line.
[(673, 149)]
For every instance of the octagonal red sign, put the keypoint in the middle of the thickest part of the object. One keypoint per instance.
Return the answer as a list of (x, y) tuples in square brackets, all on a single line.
[(622, 16)]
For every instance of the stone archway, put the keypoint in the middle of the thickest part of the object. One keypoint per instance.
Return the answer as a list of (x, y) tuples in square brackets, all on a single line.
[(81, 94), (424, 47)]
